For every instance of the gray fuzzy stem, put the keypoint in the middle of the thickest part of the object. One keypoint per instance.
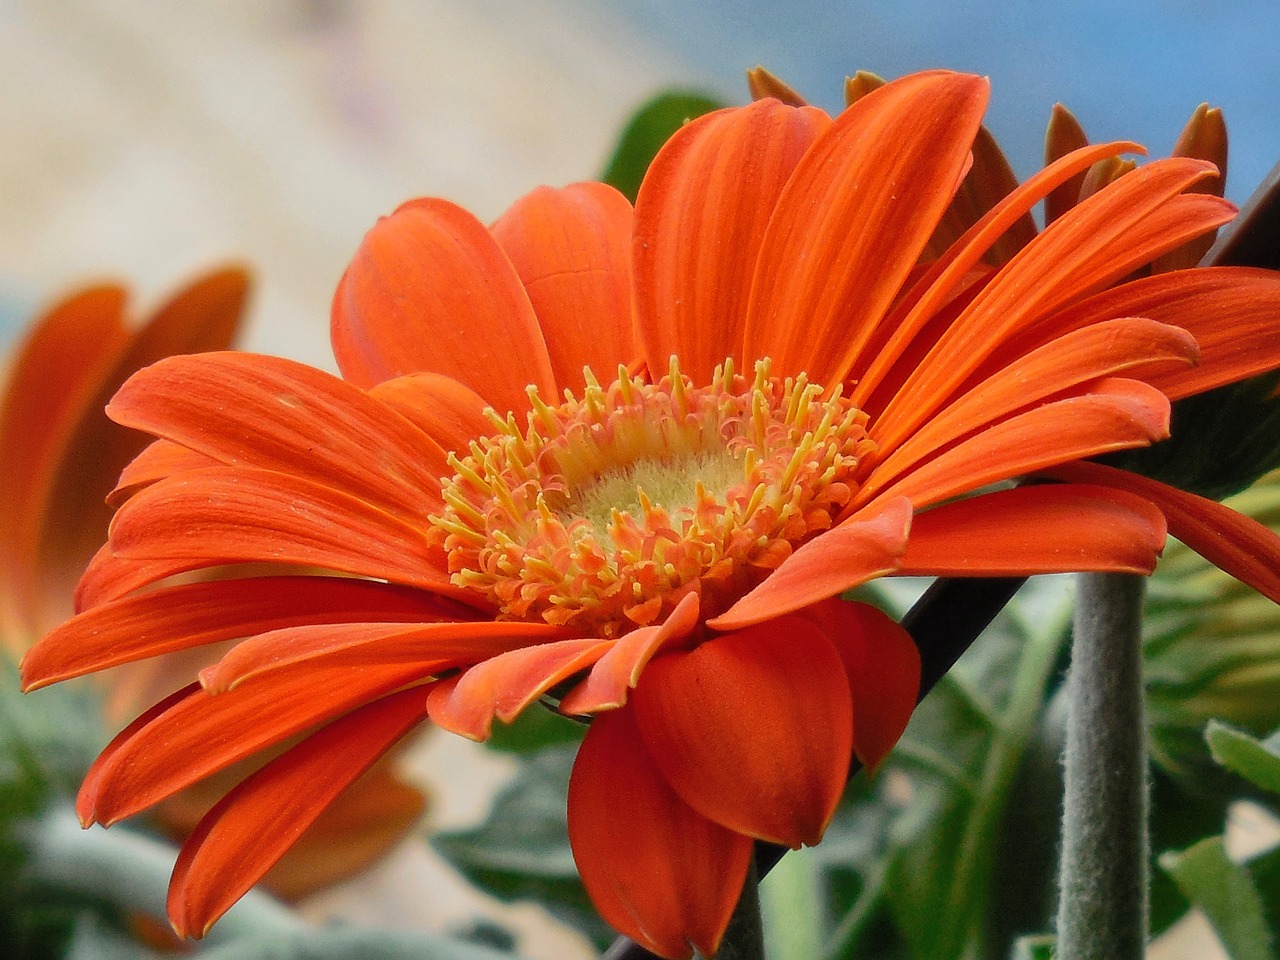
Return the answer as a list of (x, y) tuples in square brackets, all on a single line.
[(1102, 910)]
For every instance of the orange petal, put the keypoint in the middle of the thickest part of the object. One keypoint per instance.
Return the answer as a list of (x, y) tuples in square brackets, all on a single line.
[(159, 459), (854, 219), (109, 577), (883, 666), (1236, 544), (1072, 258), (571, 249), (1037, 529), (619, 670), (189, 615), (1101, 350), (433, 646), (447, 411), (733, 724), (256, 823), (224, 515), (700, 218), (1116, 414), (280, 415), (504, 685), (867, 545), (193, 734), (663, 874), (430, 291)]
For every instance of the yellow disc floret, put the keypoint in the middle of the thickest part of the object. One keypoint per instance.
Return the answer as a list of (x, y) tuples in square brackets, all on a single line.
[(602, 512)]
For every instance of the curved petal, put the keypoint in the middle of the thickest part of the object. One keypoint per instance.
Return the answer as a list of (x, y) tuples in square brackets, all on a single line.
[(449, 412), (867, 545), (733, 726), (571, 249), (188, 615), (618, 671), (159, 459), (854, 219), (258, 411), (224, 515), (193, 734), (256, 823), (504, 685), (664, 875), (432, 646), (110, 577), (882, 663), (700, 218), (1236, 544), (430, 291), (1115, 415), (1048, 528)]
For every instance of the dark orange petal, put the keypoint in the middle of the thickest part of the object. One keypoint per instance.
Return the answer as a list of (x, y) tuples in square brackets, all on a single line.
[(883, 666), (1038, 529), (433, 646), (1114, 415), (572, 251), (1236, 544), (1072, 258), (450, 413), (854, 219), (754, 729), (700, 218), (662, 874), (109, 577), (194, 734), (159, 459), (1079, 357), (256, 823), (224, 515), (1063, 136), (280, 415), (175, 618), (619, 670), (430, 291), (504, 685), (866, 546)]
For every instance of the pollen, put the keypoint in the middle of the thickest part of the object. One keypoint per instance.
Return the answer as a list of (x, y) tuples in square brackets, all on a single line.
[(603, 512)]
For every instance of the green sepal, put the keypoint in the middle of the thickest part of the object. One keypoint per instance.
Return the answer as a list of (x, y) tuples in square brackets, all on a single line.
[(647, 130)]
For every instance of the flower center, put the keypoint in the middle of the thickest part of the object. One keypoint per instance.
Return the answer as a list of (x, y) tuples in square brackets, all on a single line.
[(603, 512)]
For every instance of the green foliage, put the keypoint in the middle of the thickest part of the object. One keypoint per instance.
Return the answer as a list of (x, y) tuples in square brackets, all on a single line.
[(1032, 948), (1256, 760), (534, 730), (1227, 894), (646, 132)]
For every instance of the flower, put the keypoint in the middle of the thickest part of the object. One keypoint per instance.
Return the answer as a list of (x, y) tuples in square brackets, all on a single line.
[(771, 395), (63, 457)]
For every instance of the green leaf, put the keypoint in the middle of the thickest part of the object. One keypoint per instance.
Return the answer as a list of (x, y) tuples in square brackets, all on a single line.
[(647, 130), (1256, 760), (341, 943), (521, 852), (1227, 895), (1033, 948), (535, 729)]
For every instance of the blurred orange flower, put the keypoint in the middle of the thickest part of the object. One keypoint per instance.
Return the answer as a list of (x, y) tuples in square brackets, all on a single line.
[(62, 459), (791, 396)]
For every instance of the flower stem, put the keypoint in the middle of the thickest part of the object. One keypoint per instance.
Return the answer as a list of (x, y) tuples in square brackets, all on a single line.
[(744, 938), (1102, 910)]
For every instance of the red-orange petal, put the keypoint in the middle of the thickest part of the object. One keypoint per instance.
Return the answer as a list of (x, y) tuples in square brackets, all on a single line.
[(664, 875), (276, 414), (618, 671), (733, 726), (504, 685), (255, 824), (854, 219), (188, 615), (700, 218), (449, 412), (571, 248), (430, 291), (159, 459), (194, 734), (1047, 528), (867, 545), (1237, 544), (882, 663)]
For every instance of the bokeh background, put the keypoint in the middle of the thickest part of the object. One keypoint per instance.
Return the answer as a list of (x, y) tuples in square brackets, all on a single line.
[(145, 140)]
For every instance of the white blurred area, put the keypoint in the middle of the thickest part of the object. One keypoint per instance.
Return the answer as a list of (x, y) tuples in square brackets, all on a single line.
[(146, 141)]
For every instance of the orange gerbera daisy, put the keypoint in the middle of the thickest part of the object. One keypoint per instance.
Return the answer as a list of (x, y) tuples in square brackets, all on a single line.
[(769, 398)]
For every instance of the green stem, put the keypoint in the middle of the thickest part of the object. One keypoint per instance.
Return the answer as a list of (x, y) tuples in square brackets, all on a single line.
[(744, 938), (1102, 911)]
